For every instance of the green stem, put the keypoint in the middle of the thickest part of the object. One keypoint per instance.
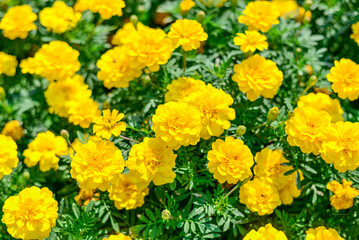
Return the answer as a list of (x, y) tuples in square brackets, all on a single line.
[(129, 139), (259, 126), (184, 56), (236, 187)]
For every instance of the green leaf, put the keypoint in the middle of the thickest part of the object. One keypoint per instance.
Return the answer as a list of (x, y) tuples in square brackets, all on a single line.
[(81, 137), (114, 224), (297, 180), (150, 215), (186, 227), (289, 172), (76, 210)]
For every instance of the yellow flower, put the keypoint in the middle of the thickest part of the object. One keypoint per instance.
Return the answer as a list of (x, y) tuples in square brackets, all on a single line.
[(321, 233), (53, 61), (97, 164), (177, 124), (303, 16), (304, 129), (341, 145), (250, 41), (344, 194), (290, 190), (265, 233), (230, 160), (119, 236), (77, 144), (13, 129), (31, 214), (186, 5), (121, 37), (59, 18), (105, 8), (83, 112), (322, 102), (18, 21), (151, 160), (81, 5), (86, 196), (287, 8), (116, 68), (345, 78), (259, 196), (257, 76), (109, 124), (127, 194), (8, 64), (187, 33), (44, 149), (213, 105), (58, 94), (8, 155), (213, 3), (260, 16), (182, 87), (355, 34)]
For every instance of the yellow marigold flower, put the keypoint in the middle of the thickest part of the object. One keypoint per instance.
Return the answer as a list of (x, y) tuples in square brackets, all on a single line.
[(53, 61), (322, 102), (13, 129), (321, 233), (355, 34), (290, 190), (345, 78), (121, 37), (304, 129), (187, 33), (213, 3), (77, 144), (177, 124), (260, 16), (230, 160), (18, 21), (186, 5), (116, 68), (31, 214), (152, 160), (97, 164), (287, 8), (83, 112), (119, 236), (81, 5), (341, 145), (107, 9), (182, 87), (8, 155), (44, 149), (59, 18), (127, 194), (259, 196), (257, 76), (58, 94), (109, 124), (265, 233), (250, 41), (303, 16), (344, 194), (213, 105), (84, 197), (8, 64)]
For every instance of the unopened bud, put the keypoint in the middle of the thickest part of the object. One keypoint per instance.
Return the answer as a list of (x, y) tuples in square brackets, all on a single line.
[(272, 114), (134, 20), (290, 114), (65, 134), (26, 176), (166, 214), (2, 94), (200, 16), (298, 50), (241, 130), (312, 81), (106, 105)]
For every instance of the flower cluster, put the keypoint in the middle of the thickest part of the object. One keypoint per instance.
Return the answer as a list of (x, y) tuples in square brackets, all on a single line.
[(8, 155), (322, 233), (8, 64), (268, 232), (344, 194)]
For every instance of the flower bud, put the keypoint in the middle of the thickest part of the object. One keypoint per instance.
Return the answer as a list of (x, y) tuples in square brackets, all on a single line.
[(309, 69), (2, 94), (272, 114), (134, 20), (298, 50), (65, 134), (312, 81), (200, 16), (26, 176), (241, 130), (106, 105), (166, 214)]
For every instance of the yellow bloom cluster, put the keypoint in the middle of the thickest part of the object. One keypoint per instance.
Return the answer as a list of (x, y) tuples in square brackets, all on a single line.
[(18, 21), (8, 64), (8, 155), (45, 149), (121, 36), (53, 61), (321, 233), (287, 8), (268, 232), (13, 129), (345, 78), (187, 33), (186, 5), (344, 194), (109, 124), (260, 16), (31, 214), (151, 160), (106, 9), (355, 34), (97, 164), (119, 236), (182, 87), (126, 193), (230, 160), (59, 18), (250, 41), (257, 76)]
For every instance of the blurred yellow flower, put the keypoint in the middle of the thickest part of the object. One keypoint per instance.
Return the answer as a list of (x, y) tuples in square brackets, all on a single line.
[(345, 78), (31, 214), (13, 129), (213, 3), (59, 18), (344, 194), (97, 164), (86, 196), (18, 21), (8, 155), (119, 236), (303, 16), (186, 5), (83, 112), (321, 233), (121, 37), (250, 41), (105, 8), (81, 5), (230, 160), (187, 33), (355, 34), (151, 160), (260, 16), (8, 64), (290, 190), (182, 87), (257, 76), (45, 149), (287, 8), (265, 233), (109, 124)]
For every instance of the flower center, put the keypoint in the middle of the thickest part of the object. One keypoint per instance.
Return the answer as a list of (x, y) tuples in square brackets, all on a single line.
[(95, 162)]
